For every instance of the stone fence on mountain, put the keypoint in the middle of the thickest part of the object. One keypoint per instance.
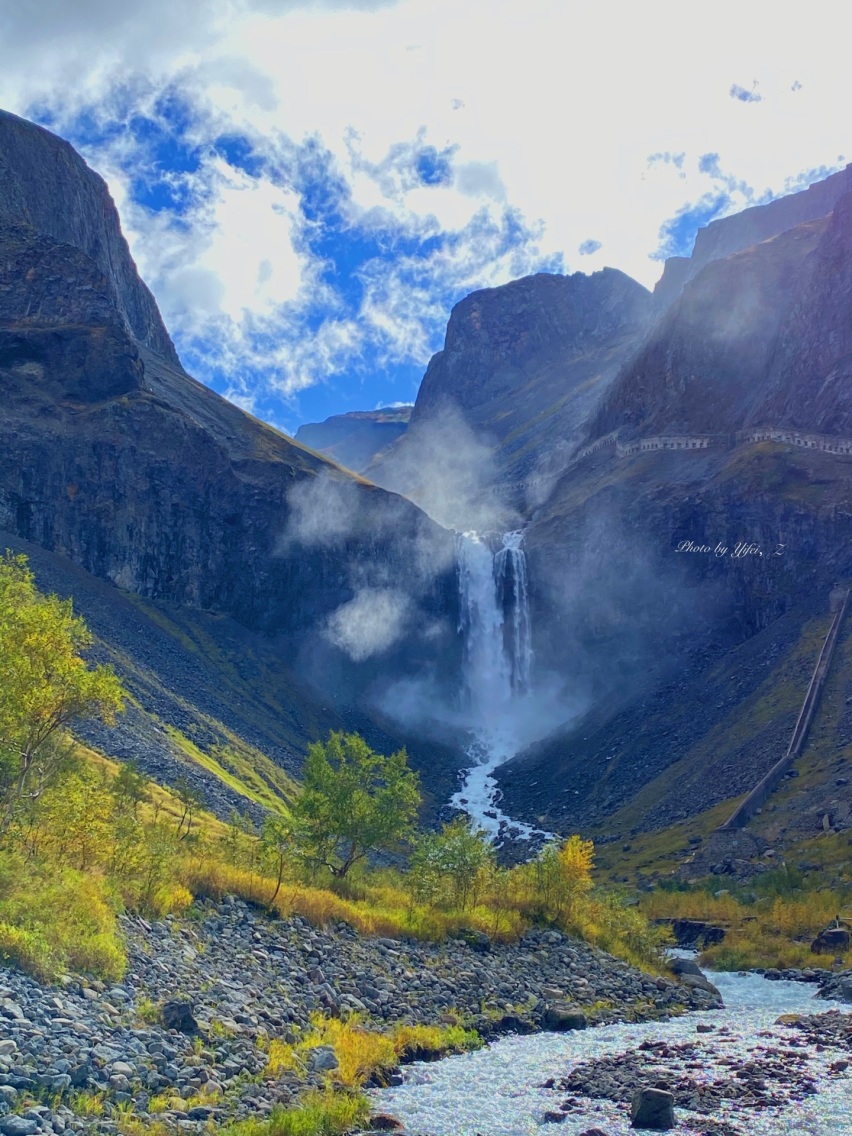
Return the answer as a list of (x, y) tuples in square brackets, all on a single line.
[(828, 443)]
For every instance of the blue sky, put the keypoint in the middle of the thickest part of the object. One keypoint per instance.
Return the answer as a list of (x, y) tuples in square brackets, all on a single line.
[(308, 186)]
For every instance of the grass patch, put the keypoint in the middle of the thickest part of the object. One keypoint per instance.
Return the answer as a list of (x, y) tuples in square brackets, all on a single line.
[(324, 1112), (54, 919), (238, 772), (769, 922), (363, 1053)]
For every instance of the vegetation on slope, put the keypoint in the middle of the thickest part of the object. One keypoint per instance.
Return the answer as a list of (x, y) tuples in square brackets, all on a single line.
[(109, 841)]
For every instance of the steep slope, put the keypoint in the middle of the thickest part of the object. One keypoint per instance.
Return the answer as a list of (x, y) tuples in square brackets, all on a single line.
[(708, 365), (521, 369), (758, 339), (114, 459), (46, 185), (355, 439)]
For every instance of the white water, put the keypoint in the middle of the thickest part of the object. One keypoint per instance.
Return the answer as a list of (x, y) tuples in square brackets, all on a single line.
[(495, 1091), (495, 622)]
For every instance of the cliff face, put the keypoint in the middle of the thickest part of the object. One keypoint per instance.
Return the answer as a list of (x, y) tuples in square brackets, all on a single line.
[(114, 458), (356, 439), (760, 338), (522, 367), (695, 657), (46, 185), (708, 365), (730, 235)]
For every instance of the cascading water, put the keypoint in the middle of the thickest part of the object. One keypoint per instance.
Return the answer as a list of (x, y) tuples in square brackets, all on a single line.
[(495, 623)]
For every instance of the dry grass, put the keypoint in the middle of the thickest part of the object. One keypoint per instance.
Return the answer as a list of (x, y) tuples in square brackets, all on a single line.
[(762, 931)]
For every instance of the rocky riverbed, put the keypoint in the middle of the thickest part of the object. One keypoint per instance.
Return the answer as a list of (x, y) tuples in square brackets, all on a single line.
[(765, 1065), (230, 978)]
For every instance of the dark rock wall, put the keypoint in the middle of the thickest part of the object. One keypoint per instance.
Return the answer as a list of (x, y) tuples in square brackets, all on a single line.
[(44, 183)]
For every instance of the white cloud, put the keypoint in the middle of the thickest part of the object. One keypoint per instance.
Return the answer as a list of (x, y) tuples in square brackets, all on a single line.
[(550, 109)]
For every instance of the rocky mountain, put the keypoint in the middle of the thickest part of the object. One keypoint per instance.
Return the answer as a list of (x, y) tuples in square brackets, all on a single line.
[(750, 227), (356, 439), (254, 593), (760, 338), (683, 574), (119, 464), (522, 367)]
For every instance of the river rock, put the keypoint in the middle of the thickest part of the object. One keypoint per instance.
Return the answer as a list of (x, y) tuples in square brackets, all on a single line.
[(685, 966), (384, 1122), (652, 1109), (838, 988), (560, 1017), (699, 982)]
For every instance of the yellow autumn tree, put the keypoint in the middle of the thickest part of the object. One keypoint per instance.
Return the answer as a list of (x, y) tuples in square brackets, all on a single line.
[(45, 685), (561, 877)]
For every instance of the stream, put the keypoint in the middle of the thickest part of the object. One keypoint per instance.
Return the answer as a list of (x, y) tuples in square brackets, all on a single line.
[(497, 1091)]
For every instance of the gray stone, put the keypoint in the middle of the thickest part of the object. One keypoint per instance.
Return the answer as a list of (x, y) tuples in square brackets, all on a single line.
[(652, 1109), (17, 1126), (831, 941), (322, 1059), (178, 1016)]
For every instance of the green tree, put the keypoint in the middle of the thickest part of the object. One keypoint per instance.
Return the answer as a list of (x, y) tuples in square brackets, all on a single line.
[(45, 685), (353, 802), (563, 876), (130, 788), (276, 843), (456, 862)]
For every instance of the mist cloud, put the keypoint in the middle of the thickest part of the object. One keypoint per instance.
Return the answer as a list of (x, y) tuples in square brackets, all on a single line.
[(370, 623), (449, 470)]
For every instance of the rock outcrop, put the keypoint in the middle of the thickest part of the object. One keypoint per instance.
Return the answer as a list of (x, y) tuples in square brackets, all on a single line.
[(522, 367), (685, 592), (46, 186)]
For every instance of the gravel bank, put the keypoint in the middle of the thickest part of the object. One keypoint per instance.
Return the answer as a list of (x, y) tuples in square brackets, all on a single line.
[(248, 978)]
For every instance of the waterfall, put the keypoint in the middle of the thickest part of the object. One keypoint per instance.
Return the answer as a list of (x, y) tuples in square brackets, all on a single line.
[(495, 623), (510, 571), (497, 669)]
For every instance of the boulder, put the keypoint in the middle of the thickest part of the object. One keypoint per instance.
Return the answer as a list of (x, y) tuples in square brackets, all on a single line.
[(178, 1016), (18, 1126), (831, 941), (685, 966), (561, 1017), (699, 982), (652, 1109), (477, 940)]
